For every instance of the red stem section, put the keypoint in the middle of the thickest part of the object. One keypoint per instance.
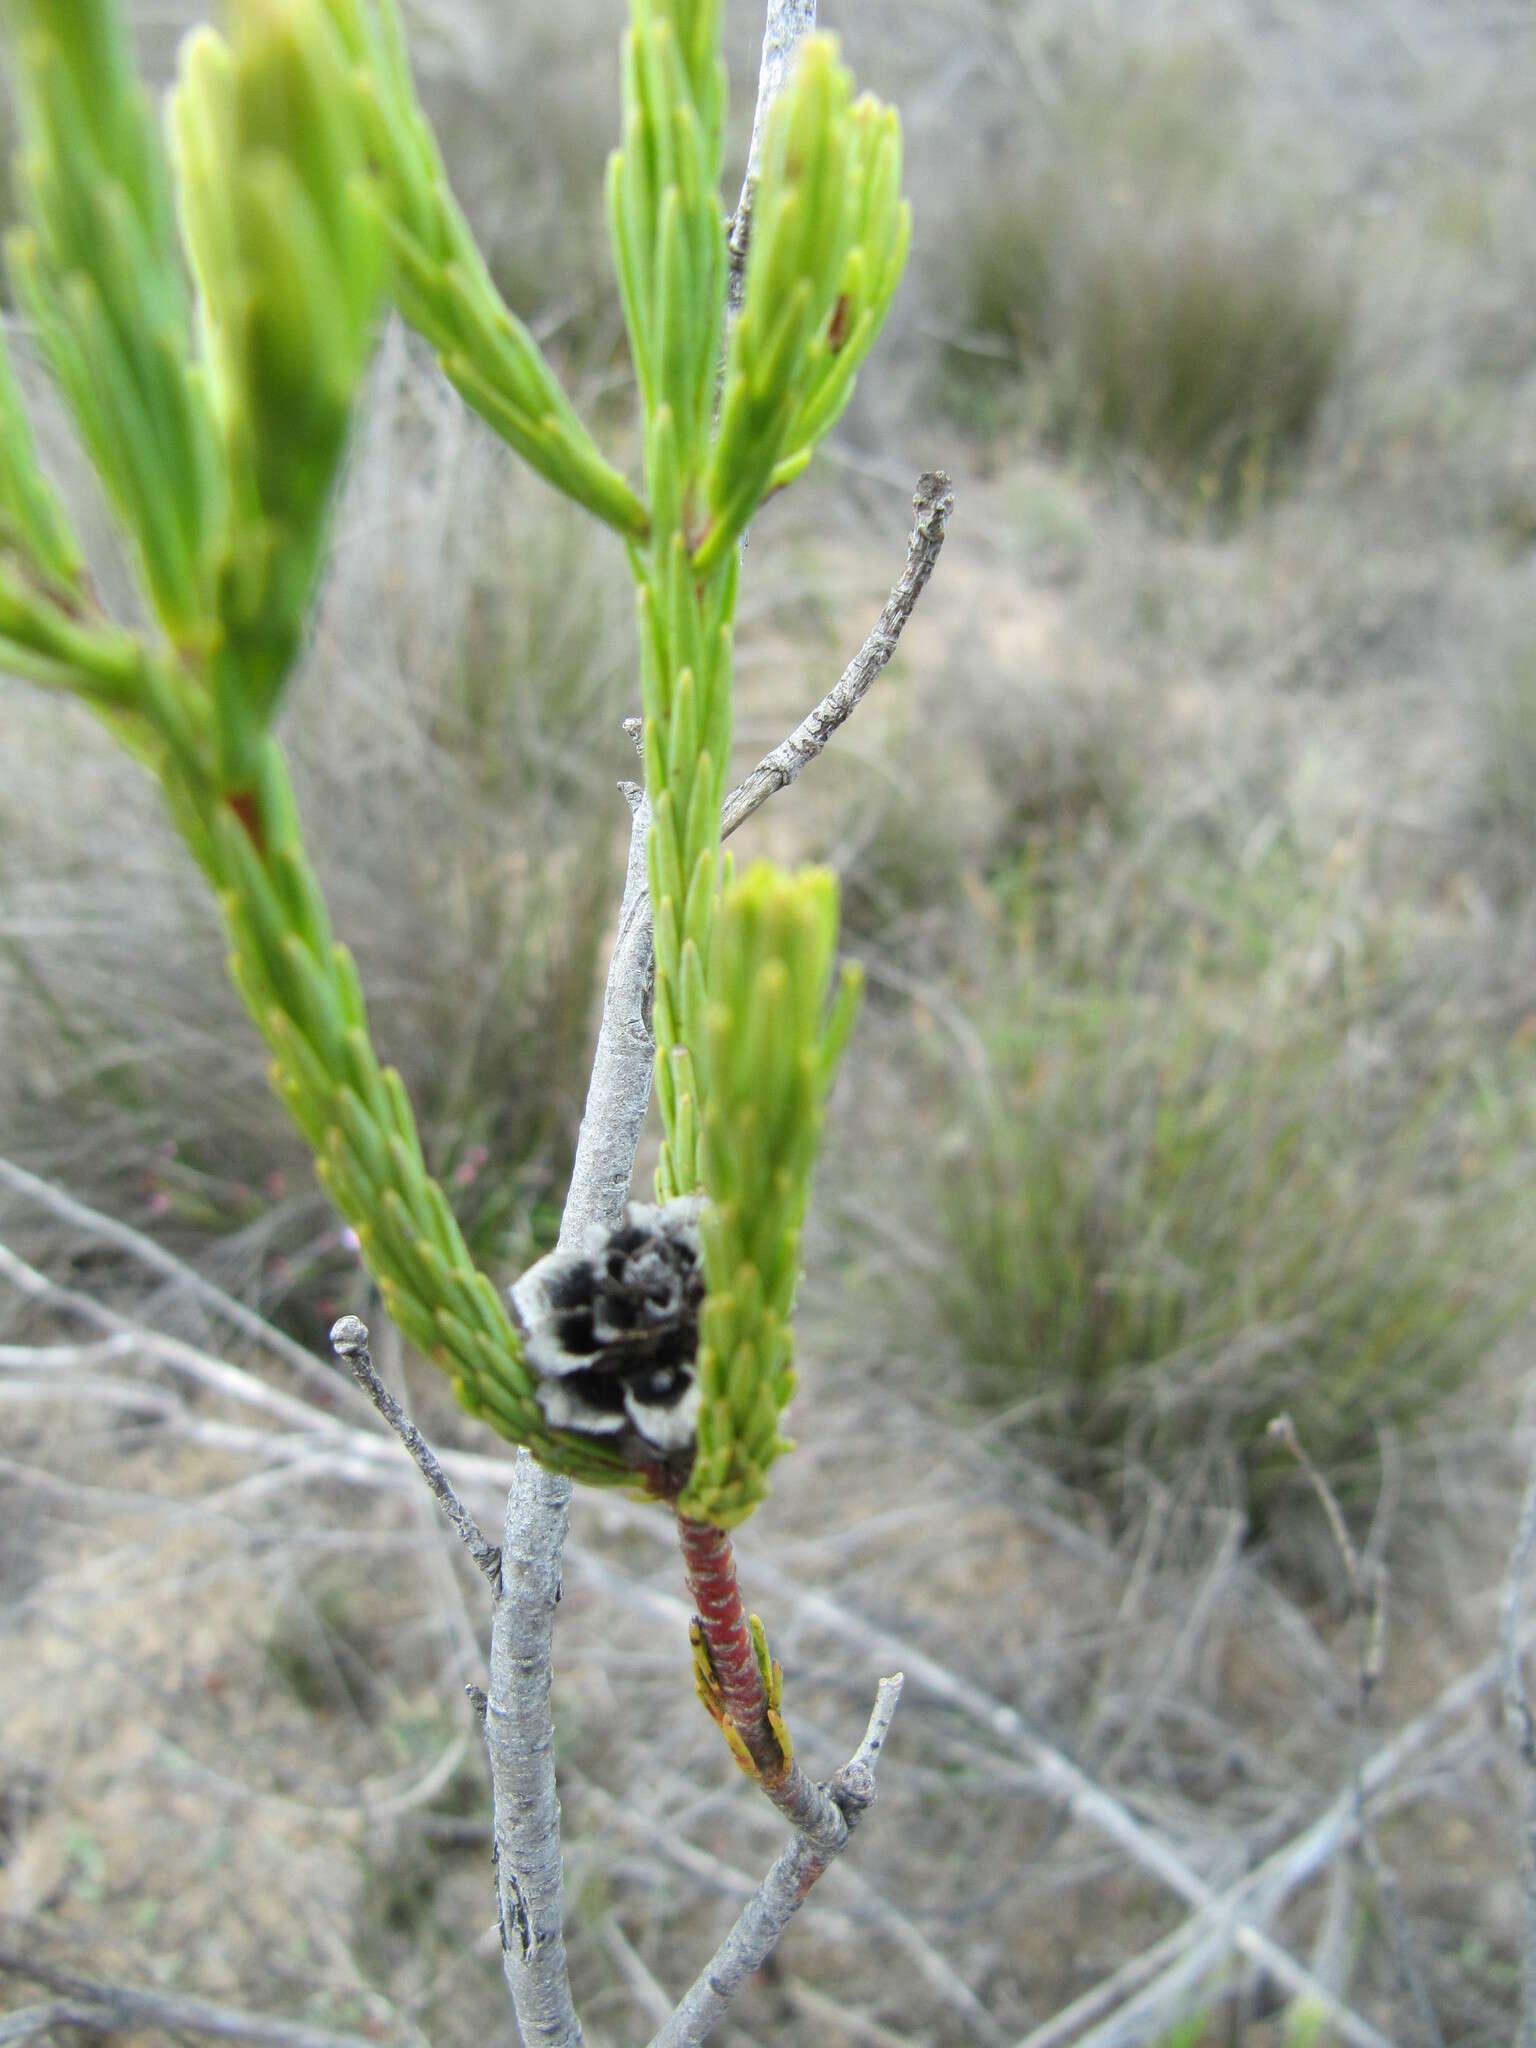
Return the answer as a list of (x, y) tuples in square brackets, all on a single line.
[(711, 1572), (710, 1568)]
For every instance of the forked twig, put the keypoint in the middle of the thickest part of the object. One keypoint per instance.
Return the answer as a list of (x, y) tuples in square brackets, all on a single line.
[(783, 1891)]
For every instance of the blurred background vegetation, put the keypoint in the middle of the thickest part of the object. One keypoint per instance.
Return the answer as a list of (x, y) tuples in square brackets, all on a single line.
[(1190, 845)]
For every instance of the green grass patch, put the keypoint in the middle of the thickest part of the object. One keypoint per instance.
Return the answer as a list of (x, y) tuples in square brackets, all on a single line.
[(1139, 286), (1224, 1171), (1508, 745)]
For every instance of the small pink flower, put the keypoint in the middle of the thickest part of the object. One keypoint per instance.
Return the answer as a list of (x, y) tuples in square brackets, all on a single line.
[(159, 1202), (348, 1237), (469, 1166)]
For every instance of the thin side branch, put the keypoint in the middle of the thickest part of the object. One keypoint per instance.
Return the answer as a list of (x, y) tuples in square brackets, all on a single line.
[(1282, 1430), (783, 1891), (932, 504), (349, 1340)]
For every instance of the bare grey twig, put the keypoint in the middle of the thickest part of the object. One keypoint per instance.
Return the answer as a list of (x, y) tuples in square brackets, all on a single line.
[(932, 504), (349, 1340), (1282, 1430), (519, 1728)]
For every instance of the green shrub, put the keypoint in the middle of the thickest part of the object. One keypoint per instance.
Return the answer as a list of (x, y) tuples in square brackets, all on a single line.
[(1204, 347), (1130, 290), (1209, 1185), (1507, 714)]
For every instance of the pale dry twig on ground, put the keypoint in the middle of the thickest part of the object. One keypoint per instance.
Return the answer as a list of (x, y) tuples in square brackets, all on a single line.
[(88, 2002), (1521, 1724)]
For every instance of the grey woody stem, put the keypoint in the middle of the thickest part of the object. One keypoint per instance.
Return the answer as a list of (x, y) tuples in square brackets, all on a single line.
[(788, 22), (783, 1891), (520, 1742), (519, 1726), (619, 1091)]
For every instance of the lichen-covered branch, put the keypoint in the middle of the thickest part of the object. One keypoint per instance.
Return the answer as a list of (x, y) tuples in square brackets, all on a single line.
[(519, 1726), (619, 1091), (520, 1741)]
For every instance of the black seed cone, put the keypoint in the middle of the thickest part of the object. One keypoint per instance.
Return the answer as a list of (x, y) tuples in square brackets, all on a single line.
[(612, 1331)]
